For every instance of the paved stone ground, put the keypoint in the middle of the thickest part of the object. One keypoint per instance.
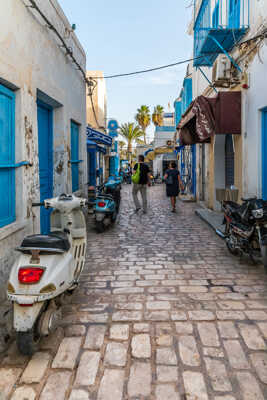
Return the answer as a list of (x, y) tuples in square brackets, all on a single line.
[(163, 312)]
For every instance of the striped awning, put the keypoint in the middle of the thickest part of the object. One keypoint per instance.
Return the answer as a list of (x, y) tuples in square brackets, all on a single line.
[(98, 137)]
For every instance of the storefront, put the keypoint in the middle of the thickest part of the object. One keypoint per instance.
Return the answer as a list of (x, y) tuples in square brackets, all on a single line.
[(97, 145), (216, 121)]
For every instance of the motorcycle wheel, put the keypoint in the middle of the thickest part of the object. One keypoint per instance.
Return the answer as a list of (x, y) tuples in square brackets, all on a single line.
[(264, 257), (232, 250), (100, 227), (28, 342)]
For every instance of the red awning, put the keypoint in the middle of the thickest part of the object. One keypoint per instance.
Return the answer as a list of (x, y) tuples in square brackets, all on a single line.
[(206, 117)]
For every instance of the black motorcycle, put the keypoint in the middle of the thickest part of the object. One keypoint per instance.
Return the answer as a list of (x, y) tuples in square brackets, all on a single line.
[(246, 228)]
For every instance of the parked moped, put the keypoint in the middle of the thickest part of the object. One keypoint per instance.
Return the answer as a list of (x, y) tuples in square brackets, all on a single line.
[(107, 204), (47, 272), (246, 228)]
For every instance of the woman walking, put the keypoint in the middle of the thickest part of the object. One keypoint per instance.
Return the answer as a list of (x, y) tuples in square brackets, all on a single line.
[(173, 183)]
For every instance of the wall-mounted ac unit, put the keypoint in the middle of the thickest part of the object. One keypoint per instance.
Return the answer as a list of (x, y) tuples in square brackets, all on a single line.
[(221, 70)]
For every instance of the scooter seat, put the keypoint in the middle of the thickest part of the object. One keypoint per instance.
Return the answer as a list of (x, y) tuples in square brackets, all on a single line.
[(56, 240)]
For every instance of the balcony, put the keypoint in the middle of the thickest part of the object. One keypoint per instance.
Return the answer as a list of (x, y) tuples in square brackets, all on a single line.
[(219, 25)]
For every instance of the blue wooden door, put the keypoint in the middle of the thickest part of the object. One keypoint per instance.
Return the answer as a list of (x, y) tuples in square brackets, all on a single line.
[(91, 157), (75, 155), (7, 156), (264, 154), (45, 146)]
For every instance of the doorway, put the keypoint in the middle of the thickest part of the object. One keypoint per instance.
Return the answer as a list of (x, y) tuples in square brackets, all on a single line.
[(264, 153), (45, 147), (75, 156), (229, 162)]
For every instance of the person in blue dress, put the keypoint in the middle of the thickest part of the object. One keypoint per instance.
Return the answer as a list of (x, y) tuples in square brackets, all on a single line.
[(173, 183)]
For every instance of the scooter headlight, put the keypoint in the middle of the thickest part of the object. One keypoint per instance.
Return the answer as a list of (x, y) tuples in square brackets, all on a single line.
[(27, 275), (257, 213)]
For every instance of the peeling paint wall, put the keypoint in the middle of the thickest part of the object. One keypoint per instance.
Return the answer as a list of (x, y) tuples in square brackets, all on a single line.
[(34, 65)]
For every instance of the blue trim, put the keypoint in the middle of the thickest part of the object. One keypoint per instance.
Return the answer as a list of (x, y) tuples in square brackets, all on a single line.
[(20, 164), (207, 79), (46, 182), (75, 161), (7, 173), (215, 15), (226, 53), (98, 137), (212, 24), (75, 138), (165, 128), (264, 153)]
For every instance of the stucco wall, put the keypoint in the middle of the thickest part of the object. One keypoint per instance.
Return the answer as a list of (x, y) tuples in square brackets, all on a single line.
[(248, 162), (254, 100), (33, 64), (99, 101)]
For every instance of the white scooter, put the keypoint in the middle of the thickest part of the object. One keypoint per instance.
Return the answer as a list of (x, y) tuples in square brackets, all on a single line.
[(47, 272)]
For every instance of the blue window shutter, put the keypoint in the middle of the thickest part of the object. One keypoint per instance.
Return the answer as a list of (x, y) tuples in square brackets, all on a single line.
[(75, 155), (7, 156)]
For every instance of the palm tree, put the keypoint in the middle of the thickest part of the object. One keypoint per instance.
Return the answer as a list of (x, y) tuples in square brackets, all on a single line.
[(143, 118), (132, 134), (157, 116), (122, 145)]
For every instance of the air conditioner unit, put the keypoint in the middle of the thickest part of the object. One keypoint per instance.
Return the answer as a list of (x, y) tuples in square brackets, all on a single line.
[(221, 70)]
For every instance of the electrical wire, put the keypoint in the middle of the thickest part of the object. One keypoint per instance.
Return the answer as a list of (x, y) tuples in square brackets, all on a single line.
[(149, 69), (90, 82)]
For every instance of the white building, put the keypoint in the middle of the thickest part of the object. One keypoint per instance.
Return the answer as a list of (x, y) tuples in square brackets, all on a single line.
[(42, 118), (163, 137), (232, 57)]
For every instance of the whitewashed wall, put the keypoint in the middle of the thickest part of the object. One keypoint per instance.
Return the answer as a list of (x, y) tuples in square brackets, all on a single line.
[(32, 60)]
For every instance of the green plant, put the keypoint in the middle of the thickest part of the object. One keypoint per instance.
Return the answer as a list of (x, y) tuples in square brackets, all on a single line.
[(157, 116), (143, 119)]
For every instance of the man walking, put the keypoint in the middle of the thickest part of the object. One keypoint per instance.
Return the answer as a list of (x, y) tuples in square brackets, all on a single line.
[(141, 186)]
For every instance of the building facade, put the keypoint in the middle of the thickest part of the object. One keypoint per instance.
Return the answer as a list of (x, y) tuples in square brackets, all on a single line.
[(230, 56), (163, 139), (42, 119), (96, 111)]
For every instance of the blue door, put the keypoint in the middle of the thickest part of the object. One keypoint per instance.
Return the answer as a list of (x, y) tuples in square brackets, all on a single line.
[(75, 155), (45, 147), (264, 154), (7, 156), (91, 160)]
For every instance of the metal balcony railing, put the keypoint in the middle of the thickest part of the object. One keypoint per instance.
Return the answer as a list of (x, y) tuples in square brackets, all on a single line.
[(219, 25)]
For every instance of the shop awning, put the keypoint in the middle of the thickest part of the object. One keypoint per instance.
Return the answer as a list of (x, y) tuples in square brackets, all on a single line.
[(98, 137), (206, 117), (93, 146), (157, 151)]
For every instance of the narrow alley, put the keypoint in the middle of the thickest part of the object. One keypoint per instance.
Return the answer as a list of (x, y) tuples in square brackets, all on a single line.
[(163, 312)]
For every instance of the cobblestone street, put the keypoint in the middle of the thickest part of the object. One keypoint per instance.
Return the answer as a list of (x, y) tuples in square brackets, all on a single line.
[(163, 312)]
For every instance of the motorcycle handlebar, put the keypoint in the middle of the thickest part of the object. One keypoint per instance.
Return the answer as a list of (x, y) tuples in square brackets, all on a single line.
[(38, 204)]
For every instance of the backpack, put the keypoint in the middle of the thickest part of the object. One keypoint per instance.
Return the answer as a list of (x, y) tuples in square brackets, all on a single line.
[(136, 175)]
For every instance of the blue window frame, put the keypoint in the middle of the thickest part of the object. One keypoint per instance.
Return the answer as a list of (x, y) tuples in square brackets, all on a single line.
[(7, 157), (234, 14)]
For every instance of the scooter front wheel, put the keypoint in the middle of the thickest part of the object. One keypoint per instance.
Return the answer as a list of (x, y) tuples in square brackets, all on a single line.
[(99, 226), (28, 342)]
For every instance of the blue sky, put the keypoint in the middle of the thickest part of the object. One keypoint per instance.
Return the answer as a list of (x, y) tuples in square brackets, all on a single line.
[(123, 36)]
